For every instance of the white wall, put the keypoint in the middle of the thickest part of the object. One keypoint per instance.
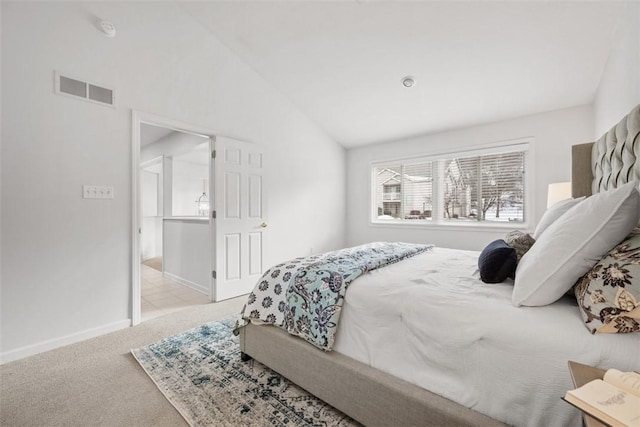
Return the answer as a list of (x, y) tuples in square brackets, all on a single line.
[(554, 133), (173, 144), (150, 238), (188, 181), (66, 262), (619, 89), (149, 189), (187, 252)]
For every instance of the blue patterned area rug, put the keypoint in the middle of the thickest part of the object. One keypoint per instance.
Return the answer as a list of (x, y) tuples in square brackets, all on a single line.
[(201, 374)]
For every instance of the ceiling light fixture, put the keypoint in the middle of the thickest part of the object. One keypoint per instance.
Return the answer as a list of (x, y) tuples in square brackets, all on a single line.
[(202, 202), (408, 81), (108, 28)]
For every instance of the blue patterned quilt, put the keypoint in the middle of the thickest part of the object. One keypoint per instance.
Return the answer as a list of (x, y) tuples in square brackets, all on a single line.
[(305, 295)]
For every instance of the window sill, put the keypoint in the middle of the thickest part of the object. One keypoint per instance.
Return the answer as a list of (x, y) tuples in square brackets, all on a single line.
[(451, 227)]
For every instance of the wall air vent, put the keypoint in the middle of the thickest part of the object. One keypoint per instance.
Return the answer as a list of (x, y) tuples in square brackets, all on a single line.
[(79, 89)]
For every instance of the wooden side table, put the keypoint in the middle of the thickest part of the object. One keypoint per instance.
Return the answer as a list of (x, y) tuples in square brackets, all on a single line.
[(580, 375)]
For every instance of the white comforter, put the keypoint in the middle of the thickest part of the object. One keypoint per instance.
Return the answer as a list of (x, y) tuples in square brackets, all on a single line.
[(430, 321)]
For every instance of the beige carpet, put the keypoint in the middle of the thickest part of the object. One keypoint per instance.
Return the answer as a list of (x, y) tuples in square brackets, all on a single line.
[(155, 263), (98, 382)]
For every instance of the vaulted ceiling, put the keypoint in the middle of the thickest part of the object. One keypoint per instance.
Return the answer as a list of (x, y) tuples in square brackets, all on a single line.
[(341, 62)]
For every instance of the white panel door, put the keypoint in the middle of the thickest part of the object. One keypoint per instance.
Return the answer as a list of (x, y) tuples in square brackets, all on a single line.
[(240, 219)]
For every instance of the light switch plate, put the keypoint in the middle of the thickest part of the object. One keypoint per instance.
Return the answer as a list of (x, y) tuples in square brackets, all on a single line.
[(97, 192)]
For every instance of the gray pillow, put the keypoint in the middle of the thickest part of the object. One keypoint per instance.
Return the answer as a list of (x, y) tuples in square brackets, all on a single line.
[(519, 241)]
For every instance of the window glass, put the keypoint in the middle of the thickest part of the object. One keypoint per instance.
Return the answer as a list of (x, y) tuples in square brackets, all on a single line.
[(483, 186), (418, 191), (388, 190)]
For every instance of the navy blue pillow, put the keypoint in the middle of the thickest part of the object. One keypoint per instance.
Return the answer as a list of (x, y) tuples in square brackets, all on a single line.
[(497, 262)]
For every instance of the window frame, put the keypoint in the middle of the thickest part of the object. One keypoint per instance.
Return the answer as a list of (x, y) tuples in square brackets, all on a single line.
[(526, 144)]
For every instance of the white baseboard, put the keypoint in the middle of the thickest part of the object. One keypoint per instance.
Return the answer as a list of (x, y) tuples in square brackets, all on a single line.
[(195, 286), (51, 344)]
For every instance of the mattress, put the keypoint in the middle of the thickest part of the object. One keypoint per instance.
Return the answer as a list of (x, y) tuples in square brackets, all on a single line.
[(431, 321)]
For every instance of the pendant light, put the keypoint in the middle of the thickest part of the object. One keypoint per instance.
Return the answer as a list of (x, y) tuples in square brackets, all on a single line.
[(202, 202)]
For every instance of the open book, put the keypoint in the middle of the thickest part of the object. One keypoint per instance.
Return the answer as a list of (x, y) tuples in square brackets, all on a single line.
[(614, 400)]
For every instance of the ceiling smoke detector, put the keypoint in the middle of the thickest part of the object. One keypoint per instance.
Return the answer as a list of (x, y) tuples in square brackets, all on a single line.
[(108, 28), (408, 81)]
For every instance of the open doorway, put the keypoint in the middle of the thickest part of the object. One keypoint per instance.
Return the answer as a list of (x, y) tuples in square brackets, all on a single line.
[(215, 246), (173, 265)]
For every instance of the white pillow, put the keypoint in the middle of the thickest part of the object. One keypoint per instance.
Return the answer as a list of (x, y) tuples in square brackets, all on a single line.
[(573, 244), (553, 213)]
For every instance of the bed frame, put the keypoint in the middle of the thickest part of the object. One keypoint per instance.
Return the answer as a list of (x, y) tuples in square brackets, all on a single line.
[(375, 398), (366, 394)]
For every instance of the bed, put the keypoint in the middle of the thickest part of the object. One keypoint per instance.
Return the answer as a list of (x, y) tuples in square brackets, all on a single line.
[(410, 351)]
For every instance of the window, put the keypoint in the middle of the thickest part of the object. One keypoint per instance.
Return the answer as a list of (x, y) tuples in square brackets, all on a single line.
[(482, 186)]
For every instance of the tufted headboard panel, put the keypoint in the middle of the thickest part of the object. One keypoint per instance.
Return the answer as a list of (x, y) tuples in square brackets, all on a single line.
[(615, 157)]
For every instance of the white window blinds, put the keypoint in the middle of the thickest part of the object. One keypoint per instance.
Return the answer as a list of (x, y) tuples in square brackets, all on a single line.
[(403, 191), (483, 186)]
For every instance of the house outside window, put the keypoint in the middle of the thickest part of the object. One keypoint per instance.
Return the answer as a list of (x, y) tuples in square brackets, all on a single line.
[(486, 187)]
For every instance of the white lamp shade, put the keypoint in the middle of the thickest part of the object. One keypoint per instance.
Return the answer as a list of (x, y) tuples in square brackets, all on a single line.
[(558, 191)]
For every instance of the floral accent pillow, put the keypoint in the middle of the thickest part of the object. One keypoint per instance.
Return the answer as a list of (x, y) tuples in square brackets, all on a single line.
[(520, 241), (609, 294)]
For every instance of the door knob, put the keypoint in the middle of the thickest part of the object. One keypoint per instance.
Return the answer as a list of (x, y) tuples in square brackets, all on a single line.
[(263, 225)]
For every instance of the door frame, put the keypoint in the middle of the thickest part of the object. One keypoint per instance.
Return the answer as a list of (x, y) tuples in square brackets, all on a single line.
[(137, 119)]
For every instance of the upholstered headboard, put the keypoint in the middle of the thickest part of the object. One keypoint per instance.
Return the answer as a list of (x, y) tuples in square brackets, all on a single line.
[(614, 158)]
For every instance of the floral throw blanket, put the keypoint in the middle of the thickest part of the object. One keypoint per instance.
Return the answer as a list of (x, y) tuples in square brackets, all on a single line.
[(305, 295)]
